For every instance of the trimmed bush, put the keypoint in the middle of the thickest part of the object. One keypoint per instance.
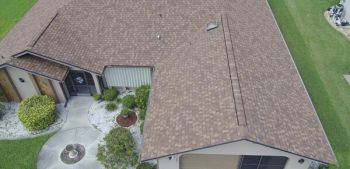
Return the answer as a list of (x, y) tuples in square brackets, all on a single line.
[(146, 166), (37, 112), (111, 106), (141, 97), (142, 114), (129, 101), (110, 94), (97, 97), (118, 150), (125, 112)]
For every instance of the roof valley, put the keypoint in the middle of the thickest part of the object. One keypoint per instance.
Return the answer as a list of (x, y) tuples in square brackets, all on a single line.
[(231, 62)]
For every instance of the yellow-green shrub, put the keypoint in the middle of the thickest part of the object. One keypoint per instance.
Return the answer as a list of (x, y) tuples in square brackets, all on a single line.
[(37, 112)]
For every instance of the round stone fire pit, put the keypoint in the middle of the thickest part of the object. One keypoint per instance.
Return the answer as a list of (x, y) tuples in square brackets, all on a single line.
[(72, 153)]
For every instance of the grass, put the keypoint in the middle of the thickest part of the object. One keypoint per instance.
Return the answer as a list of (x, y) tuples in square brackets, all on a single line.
[(11, 11), (21, 154), (322, 56)]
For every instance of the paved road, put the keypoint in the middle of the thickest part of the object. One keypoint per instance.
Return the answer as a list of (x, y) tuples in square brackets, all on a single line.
[(76, 130)]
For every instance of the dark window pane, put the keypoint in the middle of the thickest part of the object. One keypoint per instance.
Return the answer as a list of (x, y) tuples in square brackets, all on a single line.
[(251, 159), (78, 78), (273, 160), (249, 166), (89, 79)]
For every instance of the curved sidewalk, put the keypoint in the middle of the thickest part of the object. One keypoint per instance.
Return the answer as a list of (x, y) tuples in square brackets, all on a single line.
[(76, 130)]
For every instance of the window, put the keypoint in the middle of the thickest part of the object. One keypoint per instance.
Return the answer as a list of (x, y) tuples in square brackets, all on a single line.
[(263, 162)]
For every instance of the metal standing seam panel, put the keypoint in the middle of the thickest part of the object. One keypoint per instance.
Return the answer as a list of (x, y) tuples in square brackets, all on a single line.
[(128, 76)]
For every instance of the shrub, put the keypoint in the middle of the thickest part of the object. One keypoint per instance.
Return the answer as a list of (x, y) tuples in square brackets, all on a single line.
[(37, 112), (129, 101), (125, 112), (142, 114), (119, 100), (2, 97), (110, 94), (111, 106), (118, 150), (141, 126), (142, 94), (97, 97), (146, 166), (2, 110)]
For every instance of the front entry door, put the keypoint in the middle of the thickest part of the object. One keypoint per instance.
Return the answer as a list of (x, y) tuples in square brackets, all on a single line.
[(80, 83)]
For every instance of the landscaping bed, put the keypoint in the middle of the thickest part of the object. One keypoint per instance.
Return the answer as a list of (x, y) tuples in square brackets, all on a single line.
[(12, 128), (105, 120)]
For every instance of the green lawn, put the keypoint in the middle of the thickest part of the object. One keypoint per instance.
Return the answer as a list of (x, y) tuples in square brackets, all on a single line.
[(11, 11), (322, 56), (21, 154)]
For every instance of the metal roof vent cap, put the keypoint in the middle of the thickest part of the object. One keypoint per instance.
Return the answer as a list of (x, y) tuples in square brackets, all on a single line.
[(212, 25)]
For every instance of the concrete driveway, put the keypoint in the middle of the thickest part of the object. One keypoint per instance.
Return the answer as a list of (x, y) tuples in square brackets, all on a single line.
[(76, 130)]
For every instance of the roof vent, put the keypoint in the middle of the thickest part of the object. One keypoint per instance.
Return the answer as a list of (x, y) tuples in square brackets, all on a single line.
[(212, 25)]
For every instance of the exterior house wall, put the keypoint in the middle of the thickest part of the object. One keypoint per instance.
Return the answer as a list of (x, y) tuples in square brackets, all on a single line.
[(28, 87), (128, 76), (8, 87), (59, 91), (238, 148)]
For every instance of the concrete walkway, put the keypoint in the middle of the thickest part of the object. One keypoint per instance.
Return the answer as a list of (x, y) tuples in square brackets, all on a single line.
[(76, 130)]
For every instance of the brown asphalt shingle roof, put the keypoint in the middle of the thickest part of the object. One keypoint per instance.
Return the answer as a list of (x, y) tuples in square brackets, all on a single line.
[(40, 66), (24, 34), (234, 82)]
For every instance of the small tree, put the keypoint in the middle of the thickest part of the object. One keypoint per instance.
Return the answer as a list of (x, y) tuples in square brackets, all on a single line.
[(125, 112), (118, 150), (141, 97)]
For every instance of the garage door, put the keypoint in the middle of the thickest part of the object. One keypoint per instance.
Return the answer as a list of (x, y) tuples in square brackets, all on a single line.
[(208, 161), (128, 76)]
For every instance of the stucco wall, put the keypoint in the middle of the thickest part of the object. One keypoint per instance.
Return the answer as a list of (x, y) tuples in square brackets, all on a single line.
[(238, 148), (59, 91), (28, 87)]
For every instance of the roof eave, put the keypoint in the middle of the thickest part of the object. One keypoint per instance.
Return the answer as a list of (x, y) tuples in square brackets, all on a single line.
[(243, 139)]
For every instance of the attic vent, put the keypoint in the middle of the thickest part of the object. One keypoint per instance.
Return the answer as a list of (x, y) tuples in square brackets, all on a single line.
[(212, 25)]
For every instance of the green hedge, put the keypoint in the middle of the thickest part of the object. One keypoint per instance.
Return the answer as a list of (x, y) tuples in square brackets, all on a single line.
[(141, 96), (37, 112), (110, 94), (129, 101), (118, 150), (146, 166)]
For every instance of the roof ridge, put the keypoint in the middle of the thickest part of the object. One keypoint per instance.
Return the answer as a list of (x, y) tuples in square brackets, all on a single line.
[(43, 30), (232, 66)]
